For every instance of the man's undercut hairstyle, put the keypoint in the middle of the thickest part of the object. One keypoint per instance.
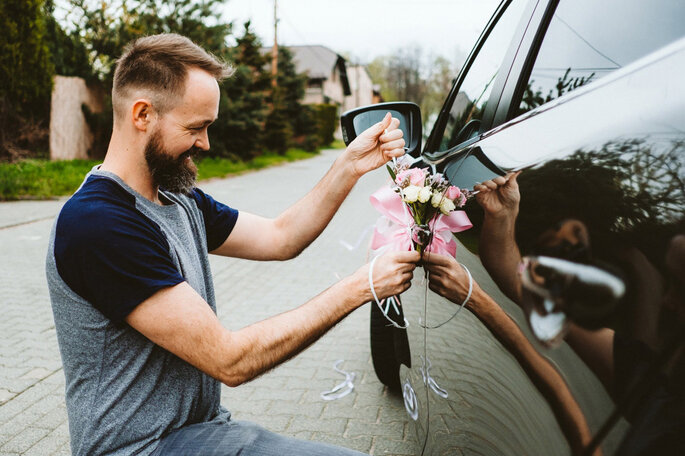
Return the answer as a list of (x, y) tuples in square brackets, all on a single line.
[(157, 66)]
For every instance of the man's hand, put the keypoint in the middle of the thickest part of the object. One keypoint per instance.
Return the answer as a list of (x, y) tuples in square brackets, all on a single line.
[(447, 278), (500, 196), (375, 146), (392, 274)]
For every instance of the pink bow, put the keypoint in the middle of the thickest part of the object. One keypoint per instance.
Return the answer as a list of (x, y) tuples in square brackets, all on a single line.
[(394, 227)]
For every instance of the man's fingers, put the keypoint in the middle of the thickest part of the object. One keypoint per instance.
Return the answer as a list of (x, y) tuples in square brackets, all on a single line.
[(435, 259), (500, 180), (394, 123), (407, 257), (383, 125), (490, 184), (391, 135), (393, 153), (396, 144)]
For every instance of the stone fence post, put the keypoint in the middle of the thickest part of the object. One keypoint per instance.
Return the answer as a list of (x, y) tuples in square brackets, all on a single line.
[(70, 136)]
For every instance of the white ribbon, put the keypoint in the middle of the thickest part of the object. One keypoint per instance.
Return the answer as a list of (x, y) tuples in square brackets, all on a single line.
[(341, 389)]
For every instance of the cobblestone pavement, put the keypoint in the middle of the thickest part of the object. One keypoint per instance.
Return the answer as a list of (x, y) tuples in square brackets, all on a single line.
[(287, 400)]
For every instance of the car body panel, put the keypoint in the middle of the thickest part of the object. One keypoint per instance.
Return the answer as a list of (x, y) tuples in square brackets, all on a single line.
[(608, 156)]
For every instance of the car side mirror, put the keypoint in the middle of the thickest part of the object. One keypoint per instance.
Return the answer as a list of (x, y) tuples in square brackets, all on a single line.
[(355, 121)]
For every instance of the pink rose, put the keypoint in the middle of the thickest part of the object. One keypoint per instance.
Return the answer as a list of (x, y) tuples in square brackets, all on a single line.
[(401, 176), (452, 193), (416, 176)]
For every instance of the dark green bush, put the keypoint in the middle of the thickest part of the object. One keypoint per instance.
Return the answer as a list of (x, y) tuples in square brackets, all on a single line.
[(26, 71), (327, 122)]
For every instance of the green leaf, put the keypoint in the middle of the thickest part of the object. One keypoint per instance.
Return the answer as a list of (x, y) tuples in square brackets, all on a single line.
[(392, 173)]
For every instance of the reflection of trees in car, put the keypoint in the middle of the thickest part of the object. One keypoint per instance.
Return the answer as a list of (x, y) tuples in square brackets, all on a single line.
[(458, 133), (627, 192), (624, 191), (465, 117), (630, 197), (531, 98)]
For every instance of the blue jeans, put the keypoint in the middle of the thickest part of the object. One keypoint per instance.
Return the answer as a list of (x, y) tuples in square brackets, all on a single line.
[(228, 438)]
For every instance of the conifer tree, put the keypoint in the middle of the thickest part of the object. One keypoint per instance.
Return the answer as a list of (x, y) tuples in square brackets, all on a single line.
[(239, 131), (300, 117), (26, 72)]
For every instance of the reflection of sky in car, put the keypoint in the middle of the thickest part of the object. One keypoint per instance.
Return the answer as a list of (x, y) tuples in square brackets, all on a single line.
[(477, 85), (490, 57), (586, 43)]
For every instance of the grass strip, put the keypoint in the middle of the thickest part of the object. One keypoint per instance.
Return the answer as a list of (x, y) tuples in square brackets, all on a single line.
[(44, 179)]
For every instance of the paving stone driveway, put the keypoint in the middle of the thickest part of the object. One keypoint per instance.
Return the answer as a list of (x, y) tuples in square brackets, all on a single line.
[(287, 400)]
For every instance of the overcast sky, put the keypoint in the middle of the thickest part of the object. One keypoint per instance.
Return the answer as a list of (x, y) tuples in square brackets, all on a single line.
[(364, 29)]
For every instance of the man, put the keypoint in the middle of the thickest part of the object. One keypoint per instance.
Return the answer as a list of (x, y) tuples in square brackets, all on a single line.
[(130, 285)]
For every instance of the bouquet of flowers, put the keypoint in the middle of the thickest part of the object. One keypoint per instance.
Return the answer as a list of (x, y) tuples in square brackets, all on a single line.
[(419, 211)]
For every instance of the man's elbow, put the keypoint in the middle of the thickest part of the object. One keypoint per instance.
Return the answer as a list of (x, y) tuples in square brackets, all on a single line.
[(233, 374), (233, 381)]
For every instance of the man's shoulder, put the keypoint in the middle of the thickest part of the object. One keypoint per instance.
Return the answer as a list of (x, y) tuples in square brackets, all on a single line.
[(99, 207)]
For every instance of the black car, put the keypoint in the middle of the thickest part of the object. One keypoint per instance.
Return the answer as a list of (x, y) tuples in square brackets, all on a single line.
[(588, 99)]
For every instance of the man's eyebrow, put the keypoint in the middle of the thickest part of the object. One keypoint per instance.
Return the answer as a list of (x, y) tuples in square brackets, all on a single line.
[(201, 123)]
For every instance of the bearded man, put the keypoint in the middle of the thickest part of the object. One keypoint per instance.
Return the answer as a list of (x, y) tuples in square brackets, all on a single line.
[(144, 354)]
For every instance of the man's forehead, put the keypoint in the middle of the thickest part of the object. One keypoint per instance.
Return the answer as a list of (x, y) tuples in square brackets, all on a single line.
[(201, 97)]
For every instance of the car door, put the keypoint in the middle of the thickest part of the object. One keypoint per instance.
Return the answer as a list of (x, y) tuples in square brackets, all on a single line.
[(588, 92), (461, 401)]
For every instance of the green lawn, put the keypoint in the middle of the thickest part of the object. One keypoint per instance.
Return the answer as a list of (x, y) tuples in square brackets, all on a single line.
[(336, 144), (43, 179)]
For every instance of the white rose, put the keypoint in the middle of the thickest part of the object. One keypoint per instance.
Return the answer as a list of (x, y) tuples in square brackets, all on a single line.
[(411, 193), (447, 206), (437, 199), (425, 194)]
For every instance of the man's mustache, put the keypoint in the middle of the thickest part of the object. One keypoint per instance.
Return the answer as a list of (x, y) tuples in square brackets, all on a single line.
[(192, 153)]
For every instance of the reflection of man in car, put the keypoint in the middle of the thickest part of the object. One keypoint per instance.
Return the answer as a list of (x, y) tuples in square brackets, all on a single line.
[(648, 384), (449, 279)]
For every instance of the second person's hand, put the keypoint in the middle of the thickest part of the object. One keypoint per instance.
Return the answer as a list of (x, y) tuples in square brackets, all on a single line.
[(499, 196), (447, 277)]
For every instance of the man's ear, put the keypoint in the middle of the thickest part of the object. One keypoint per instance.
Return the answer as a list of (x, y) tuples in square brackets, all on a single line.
[(142, 114)]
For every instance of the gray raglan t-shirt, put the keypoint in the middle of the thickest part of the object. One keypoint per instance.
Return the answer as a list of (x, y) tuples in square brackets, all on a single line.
[(111, 249)]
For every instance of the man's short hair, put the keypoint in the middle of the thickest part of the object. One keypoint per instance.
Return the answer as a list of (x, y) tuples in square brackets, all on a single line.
[(158, 66)]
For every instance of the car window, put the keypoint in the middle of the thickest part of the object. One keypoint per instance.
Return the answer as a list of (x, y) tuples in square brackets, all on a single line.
[(468, 105), (587, 40)]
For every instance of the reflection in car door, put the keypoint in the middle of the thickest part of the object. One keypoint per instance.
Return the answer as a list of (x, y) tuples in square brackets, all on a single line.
[(490, 391), (481, 398)]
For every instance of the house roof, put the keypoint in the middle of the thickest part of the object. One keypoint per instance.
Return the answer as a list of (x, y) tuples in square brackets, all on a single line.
[(318, 62)]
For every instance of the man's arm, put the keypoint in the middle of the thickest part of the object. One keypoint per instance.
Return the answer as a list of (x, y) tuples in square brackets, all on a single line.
[(260, 238), (179, 320), (497, 248)]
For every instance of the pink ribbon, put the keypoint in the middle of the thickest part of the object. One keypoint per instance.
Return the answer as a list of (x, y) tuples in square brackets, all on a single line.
[(394, 227)]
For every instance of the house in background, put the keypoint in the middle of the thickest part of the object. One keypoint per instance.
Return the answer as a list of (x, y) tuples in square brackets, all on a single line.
[(330, 80), (327, 72), (361, 87)]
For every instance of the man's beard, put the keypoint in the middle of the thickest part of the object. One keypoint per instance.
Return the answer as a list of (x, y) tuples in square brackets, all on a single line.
[(174, 174)]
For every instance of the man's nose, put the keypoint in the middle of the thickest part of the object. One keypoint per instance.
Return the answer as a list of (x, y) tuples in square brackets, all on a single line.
[(202, 141)]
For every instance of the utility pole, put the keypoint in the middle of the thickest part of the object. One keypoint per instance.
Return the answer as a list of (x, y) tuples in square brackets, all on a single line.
[(274, 49)]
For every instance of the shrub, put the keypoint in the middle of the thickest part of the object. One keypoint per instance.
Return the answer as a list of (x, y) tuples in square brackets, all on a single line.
[(327, 121), (26, 71)]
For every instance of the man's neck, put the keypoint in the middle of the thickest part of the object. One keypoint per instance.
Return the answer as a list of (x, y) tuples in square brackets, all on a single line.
[(127, 161)]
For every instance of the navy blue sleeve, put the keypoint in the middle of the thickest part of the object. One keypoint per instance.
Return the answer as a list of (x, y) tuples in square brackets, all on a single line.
[(219, 218), (109, 253)]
